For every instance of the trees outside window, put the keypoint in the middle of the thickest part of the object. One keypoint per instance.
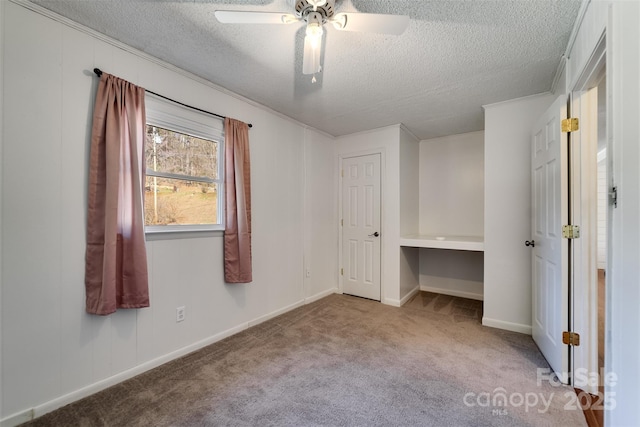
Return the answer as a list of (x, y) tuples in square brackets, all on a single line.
[(184, 172)]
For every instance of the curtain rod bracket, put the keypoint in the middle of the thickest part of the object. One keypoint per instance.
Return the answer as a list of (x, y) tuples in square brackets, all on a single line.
[(98, 72)]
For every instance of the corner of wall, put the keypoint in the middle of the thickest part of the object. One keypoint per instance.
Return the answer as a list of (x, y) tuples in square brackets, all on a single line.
[(406, 134), (409, 190), (559, 85), (320, 216)]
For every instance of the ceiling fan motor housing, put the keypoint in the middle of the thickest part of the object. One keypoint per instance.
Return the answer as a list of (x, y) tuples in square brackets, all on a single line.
[(324, 8)]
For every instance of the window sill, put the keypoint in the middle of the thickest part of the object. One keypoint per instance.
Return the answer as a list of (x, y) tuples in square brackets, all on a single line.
[(153, 233)]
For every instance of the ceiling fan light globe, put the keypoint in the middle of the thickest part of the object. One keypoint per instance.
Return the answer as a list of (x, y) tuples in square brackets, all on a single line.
[(314, 32), (311, 58)]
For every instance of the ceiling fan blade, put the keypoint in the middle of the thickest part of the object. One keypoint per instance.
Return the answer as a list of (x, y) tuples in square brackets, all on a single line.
[(311, 57), (371, 23), (245, 17)]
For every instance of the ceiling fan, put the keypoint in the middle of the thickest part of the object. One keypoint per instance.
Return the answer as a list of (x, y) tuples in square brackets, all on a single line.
[(315, 14)]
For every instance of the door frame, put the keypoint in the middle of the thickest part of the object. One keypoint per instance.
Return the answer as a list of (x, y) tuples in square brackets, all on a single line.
[(584, 277), (380, 151)]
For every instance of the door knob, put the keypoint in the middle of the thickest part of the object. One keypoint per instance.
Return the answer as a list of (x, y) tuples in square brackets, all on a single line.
[(530, 243), (376, 234)]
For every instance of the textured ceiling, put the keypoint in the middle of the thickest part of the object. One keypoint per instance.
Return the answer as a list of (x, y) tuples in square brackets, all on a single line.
[(455, 56)]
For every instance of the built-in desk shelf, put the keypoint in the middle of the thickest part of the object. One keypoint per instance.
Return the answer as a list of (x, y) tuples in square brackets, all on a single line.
[(460, 243)]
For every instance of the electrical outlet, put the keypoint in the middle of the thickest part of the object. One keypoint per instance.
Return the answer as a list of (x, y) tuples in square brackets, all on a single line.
[(180, 314)]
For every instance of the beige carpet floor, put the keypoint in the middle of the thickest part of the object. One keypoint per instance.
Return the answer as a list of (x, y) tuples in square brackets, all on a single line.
[(344, 361)]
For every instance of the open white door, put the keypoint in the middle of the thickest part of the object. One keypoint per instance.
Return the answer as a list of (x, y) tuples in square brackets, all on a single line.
[(550, 262), (361, 226)]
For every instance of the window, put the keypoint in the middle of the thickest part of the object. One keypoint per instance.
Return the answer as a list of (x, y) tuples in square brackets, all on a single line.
[(183, 156)]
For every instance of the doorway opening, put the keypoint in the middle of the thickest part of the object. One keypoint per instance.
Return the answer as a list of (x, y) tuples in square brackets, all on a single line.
[(601, 218), (591, 206)]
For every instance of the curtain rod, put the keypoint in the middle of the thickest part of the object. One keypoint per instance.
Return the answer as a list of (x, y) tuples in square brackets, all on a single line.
[(98, 72)]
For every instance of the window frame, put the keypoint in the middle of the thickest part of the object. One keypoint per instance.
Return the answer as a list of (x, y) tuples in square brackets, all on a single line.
[(173, 117)]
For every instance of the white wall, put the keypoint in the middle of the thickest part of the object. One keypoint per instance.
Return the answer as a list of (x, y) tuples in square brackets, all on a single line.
[(386, 142), (409, 213), (452, 185), (321, 215), (589, 32), (452, 203), (623, 282), (409, 169), (507, 211), (450, 272), (52, 351)]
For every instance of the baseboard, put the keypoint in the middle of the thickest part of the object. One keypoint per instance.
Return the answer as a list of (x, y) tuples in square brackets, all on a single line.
[(320, 295), (52, 405), (17, 419), (275, 313), (293, 306), (410, 295), (509, 326), (400, 302), (86, 391), (452, 292), (391, 302)]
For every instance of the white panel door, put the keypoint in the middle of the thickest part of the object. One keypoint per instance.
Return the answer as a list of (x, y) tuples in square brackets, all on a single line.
[(550, 261), (361, 226)]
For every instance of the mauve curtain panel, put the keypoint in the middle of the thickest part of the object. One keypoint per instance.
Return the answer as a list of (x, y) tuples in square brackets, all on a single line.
[(116, 258), (237, 233)]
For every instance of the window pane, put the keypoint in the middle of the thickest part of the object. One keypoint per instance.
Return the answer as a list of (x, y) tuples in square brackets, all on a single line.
[(174, 201), (173, 152)]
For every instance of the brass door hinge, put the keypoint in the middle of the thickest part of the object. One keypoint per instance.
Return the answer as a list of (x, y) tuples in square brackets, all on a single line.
[(613, 196), (571, 338), (570, 125), (342, 173), (342, 222), (570, 232), (342, 271)]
